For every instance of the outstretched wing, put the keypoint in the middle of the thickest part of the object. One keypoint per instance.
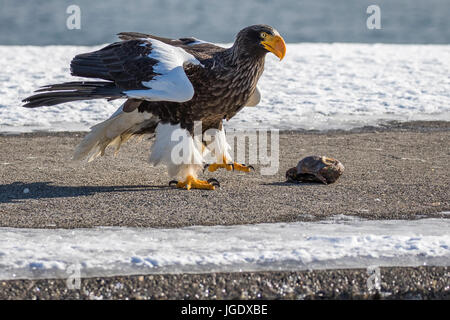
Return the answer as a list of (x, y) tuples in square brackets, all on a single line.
[(198, 48), (147, 69)]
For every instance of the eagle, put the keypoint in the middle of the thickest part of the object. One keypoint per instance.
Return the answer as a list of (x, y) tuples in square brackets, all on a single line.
[(177, 90)]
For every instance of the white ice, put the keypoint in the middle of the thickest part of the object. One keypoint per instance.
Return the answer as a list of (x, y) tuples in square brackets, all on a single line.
[(316, 86), (341, 242)]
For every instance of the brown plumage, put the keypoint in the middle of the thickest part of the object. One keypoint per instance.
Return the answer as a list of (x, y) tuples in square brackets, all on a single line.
[(223, 83), (166, 81)]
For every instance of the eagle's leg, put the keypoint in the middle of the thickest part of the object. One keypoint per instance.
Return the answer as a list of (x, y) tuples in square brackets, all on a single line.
[(181, 153), (221, 151)]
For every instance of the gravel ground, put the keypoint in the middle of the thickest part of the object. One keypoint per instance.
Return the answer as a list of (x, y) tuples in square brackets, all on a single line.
[(396, 283), (400, 171), (396, 172)]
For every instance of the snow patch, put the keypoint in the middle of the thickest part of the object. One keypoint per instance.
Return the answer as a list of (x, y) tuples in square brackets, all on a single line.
[(341, 242), (317, 86)]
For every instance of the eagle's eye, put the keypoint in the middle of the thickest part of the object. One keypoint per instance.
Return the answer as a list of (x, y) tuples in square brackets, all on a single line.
[(263, 35)]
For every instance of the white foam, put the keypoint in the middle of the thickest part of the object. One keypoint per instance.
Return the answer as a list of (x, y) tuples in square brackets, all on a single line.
[(316, 86), (337, 243)]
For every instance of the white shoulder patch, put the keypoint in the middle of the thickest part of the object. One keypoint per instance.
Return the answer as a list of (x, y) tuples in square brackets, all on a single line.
[(254, 98), (171, 84)]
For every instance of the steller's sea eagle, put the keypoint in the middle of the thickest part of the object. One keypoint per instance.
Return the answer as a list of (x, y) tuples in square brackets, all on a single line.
[(170, 85)]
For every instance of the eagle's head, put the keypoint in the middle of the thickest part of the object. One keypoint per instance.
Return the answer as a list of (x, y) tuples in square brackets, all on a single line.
[(260, 39)]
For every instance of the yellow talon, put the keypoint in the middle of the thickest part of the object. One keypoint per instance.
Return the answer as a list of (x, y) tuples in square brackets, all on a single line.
[(240, 167), (193, 183), (213, 167), (235, 166)]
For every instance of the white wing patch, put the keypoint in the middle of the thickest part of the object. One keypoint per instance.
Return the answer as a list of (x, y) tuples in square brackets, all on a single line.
[(171, 84), (254, 98)]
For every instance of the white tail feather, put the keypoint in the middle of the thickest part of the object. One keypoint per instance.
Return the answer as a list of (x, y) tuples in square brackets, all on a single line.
[(113, 131)]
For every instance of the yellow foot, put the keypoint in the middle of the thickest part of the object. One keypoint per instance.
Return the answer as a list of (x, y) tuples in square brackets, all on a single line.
[(214, 166), (193, 183), (242, 167), (229, 166)]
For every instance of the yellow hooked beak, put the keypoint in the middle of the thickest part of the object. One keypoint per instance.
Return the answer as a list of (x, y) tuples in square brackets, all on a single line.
[(275, 44)]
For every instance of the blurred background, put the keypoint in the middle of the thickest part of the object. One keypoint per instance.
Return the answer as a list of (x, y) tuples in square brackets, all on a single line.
[(43, 22)]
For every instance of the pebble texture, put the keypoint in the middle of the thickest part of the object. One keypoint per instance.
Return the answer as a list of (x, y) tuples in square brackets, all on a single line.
[(397, 172), (395, 283)]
